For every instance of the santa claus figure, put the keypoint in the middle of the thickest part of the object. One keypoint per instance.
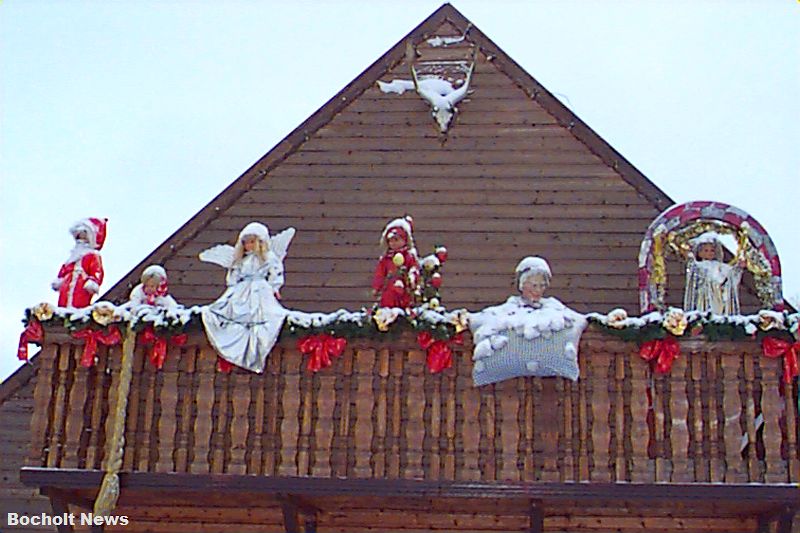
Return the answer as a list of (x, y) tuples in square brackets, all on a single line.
[(81, 275), (397, 274)]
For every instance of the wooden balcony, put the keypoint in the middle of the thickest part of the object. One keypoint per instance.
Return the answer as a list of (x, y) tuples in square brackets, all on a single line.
[(377, 442)]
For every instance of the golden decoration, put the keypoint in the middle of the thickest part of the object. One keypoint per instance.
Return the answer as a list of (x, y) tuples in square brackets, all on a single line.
[(768, 320), (104, 313), (44, 311), (616, 318), (460, 321), (115, 446), (398, 259), (384, 317), (675, 321)]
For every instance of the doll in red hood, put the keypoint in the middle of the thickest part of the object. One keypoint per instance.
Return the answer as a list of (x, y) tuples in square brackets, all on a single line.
[(397, 274), (80, 276)]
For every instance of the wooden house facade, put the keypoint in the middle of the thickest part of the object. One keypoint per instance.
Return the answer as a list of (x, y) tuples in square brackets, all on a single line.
[(376, 443)]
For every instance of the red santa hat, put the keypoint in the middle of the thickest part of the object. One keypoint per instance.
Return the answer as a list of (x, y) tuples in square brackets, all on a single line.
[(402, 227), (95, 229)]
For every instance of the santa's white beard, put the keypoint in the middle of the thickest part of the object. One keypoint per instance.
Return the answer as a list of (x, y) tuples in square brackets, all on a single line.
[(81, 248)]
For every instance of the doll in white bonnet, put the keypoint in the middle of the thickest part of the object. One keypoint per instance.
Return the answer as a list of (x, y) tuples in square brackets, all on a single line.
[(153, 289)]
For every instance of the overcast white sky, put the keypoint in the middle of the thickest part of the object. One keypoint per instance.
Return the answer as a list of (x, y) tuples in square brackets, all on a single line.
[(143, 111)]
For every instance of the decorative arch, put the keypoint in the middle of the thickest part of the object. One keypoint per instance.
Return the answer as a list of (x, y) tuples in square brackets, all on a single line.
[(677, 224)]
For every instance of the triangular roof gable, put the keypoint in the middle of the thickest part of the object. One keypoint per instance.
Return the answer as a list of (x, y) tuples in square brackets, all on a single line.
[(368, 78)]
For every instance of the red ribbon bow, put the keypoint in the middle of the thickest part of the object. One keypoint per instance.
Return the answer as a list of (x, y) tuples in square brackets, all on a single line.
[(33, 333), (662, 351), (92, 337), (774, 347), (321, 348), (439, 352), (224, 366), (158, 350)]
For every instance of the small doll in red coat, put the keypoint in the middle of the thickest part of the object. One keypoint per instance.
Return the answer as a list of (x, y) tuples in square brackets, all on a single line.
[(397, 273), (80, 276)]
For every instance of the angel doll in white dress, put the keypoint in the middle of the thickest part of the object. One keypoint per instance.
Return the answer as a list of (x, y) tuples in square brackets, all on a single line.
[(244, 323), (711, 284)]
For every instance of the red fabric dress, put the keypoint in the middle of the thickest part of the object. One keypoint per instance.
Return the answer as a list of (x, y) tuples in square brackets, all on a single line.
[(396, 287), (74, 276)]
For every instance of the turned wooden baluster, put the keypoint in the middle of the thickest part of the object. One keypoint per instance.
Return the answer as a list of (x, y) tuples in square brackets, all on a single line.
[(732, 408), (364, 404), (660, 409), (240, 424), (488, 459), (526, 429), (546, 426), (271, 439), (621, 433), (568, 423), (754, 470), (509, 406), (433, 425), (134, 414), (679, 430), (791, 414), (380, 391), (642, 468), (470, 397), (414, 428), (323, 430), (186, 380), (601, 410), (75, 411), (584, 431), (203, 422), (99, 410), (306, 423), (698, 460), (772, 408), (66, 360), (46, 377), (714, 429), (257, 391), (449, 437), (395, 413), (168, 399), (290, 427), (148, 385)]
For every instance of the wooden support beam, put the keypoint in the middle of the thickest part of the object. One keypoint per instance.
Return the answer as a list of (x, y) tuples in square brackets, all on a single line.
[(311, 524), (60, 508), (290, 518), (537, 517), (785, 520)]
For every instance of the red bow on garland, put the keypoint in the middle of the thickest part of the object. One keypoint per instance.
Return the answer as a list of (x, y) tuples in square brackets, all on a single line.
[(440, 353), (321, 348), (92, 337), (224, 366), (662, 351), (33, 333), (774, 347), (158, 350)]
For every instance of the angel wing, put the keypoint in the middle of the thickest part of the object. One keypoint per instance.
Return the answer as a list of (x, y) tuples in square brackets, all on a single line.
[(221, 254), (279, 244)]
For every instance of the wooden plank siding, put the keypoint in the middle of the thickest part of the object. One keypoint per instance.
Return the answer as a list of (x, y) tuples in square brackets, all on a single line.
[(15, 442), (507, 181)]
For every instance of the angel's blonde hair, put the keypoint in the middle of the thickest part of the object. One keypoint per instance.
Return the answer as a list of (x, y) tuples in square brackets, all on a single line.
[(262, 247)]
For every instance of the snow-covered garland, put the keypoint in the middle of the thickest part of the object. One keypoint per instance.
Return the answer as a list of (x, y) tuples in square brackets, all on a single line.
[(324, 335), (657, 333), (320, 335)]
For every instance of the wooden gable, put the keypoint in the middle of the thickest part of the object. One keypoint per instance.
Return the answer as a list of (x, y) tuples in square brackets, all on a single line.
[(517, 174)]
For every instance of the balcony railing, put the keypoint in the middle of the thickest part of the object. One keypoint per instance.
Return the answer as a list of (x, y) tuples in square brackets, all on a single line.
[(721, 416)]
